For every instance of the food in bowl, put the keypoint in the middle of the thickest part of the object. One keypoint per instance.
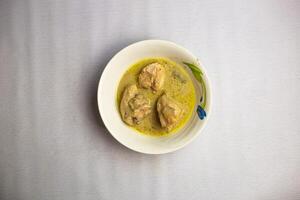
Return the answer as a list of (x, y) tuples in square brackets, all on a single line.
[(156, 96)]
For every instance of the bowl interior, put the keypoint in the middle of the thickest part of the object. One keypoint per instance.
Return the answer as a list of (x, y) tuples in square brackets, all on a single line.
[(108, 108)]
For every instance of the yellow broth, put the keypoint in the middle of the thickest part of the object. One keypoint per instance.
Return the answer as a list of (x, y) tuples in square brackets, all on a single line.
[(178, 85)]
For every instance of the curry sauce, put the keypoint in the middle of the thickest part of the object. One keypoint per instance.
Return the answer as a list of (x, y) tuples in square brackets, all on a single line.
[(178, 85)]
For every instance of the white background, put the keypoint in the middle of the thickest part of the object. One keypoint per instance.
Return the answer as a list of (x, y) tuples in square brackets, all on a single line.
[(53, 144)]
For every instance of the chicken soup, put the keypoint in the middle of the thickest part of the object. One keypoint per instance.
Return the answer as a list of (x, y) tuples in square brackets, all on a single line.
[(156, 96)]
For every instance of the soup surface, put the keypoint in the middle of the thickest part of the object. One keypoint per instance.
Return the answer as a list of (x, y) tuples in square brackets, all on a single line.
[(177, 85)]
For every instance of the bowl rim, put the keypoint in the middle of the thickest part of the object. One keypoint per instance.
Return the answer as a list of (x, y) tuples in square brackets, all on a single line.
[(208, 88)]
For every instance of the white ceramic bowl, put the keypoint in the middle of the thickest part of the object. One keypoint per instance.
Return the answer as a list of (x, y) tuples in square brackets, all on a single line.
[(108, 108)]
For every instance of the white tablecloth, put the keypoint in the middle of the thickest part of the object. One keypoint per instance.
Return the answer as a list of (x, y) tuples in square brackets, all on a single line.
[(53, 144)]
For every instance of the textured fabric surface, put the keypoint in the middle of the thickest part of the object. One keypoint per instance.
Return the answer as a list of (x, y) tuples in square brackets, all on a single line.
[(54, 146)]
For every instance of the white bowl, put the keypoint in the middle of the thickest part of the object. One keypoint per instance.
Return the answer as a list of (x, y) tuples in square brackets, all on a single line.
[(107, 90)]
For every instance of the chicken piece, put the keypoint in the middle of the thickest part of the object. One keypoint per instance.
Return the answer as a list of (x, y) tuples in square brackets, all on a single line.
[(169, 112), (152, 76), (134, 107)]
